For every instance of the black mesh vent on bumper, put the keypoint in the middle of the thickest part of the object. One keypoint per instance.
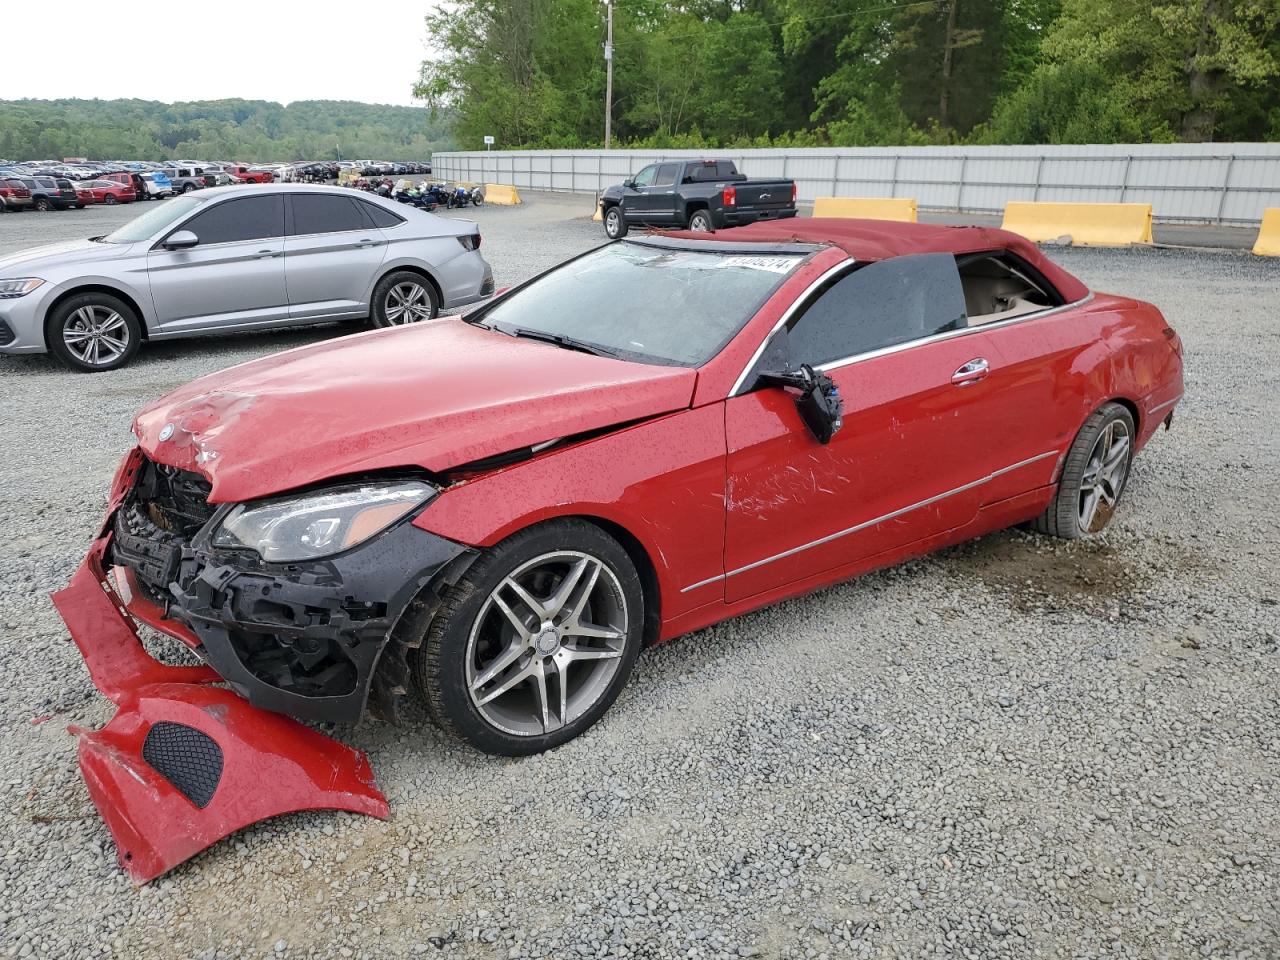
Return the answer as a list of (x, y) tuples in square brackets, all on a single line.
[(187, 758), (6, 334)]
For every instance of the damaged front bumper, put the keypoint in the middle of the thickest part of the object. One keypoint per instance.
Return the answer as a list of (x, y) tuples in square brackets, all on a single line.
[(184, 763)]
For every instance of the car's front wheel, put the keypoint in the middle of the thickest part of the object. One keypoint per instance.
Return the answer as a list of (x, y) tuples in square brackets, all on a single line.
[(404, 297), (93, 332), (615, 224), (1093, 476), (535, 642)]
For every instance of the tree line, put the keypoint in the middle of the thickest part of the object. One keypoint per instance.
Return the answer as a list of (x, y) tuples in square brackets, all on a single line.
[(721, 73), (254, 130)]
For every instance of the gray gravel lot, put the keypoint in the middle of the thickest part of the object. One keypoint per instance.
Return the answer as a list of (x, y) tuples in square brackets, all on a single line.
[(1017, 748)]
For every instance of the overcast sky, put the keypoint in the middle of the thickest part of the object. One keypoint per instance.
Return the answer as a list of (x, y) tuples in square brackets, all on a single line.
[(255, 50)]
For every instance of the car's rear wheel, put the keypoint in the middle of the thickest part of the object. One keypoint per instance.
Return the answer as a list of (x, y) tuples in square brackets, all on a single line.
[(42, 204), (615, 224), (404, 297), (700, 222), (1093, 476), (110, 200), (188, 187), (536, 640), (93, 332)]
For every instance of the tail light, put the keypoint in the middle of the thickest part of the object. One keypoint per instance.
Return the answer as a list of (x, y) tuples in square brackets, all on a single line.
[(795, 192), (1175, 341), (730, 196), (470, 241)]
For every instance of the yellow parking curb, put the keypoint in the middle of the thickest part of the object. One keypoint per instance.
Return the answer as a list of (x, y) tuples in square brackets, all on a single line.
[(1086, 224), (901, 209)]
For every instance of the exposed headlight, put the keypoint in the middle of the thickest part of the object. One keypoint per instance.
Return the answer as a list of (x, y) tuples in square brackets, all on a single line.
[(18, 288), (320, 524)]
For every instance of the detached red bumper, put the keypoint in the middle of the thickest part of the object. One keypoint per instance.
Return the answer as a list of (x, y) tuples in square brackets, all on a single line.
[(184, 764)]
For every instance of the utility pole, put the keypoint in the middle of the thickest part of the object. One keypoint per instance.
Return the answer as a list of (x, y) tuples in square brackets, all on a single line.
[(608, 72)]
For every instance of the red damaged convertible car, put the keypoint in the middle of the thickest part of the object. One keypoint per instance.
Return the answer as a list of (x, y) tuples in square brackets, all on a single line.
[(496, 513)]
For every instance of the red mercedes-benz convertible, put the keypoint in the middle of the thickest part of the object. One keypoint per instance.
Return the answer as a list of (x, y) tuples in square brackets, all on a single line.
[(498, 511)]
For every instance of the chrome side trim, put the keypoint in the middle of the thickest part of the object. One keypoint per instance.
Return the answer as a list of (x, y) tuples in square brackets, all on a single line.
[(1168, 403), (871, 523), (787, 314)]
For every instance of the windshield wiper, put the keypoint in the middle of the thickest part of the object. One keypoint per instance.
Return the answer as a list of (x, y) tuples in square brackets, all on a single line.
[(560, 340)]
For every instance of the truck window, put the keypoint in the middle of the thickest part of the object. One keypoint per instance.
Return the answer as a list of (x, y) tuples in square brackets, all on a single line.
[(666, 175), (645, 177)]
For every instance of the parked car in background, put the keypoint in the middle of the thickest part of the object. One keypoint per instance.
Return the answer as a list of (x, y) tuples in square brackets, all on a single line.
[(111, 192), (235, 259), (84, 196), (127, 177), (155, 186), (51, 193), (250, 174), (702, 195), (15, 196), (184, 179)]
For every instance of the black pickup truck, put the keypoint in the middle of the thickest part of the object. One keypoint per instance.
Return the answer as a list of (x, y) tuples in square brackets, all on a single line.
[(694, 194)]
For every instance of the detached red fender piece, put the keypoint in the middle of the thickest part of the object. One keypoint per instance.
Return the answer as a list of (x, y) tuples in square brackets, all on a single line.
[(184, 764)]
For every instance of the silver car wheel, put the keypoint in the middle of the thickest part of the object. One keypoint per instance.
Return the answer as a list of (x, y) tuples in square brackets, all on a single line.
[(407, 303), (1104, 476), (96, 336), (547, 643)]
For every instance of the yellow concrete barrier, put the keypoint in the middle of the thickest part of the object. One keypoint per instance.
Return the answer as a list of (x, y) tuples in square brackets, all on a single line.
[(502, 194), (902, 209), (1268, 244), (1087, 224), (597, 217)]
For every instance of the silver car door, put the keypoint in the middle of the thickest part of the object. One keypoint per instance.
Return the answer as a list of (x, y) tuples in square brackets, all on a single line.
[(332, 254), (234, 275)]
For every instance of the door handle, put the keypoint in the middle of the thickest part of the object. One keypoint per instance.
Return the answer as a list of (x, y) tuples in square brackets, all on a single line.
[(366, 243), (973, 371), (265, 254)]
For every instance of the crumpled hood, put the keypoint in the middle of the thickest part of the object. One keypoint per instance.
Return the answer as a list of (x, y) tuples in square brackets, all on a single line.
[(434, 395), (61, 254)]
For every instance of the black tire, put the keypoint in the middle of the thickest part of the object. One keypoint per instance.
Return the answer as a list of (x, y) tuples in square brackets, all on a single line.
[(110, 200), (1065, 515), (188, 187), (66, 313), (42, 204), (440, 665), (383, 314), (615, 224), (700, 222)]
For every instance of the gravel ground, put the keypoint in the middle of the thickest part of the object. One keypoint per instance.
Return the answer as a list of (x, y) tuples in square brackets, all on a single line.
[(1016, 748)]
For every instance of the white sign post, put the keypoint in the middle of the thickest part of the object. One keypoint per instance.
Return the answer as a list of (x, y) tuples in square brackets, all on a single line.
[(488, 142)]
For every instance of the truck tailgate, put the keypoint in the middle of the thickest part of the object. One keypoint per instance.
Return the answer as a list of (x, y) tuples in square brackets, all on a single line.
[(764, 195)]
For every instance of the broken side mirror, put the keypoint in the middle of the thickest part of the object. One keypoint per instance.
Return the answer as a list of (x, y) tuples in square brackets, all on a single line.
[(819, 402)]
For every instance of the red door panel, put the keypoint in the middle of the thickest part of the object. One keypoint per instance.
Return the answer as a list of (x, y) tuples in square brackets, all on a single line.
[(915, 451)]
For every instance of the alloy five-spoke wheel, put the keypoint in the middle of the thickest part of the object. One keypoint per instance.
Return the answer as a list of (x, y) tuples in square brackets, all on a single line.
[(546, 643), (1104, 476), (1093, 476), (533, 644)]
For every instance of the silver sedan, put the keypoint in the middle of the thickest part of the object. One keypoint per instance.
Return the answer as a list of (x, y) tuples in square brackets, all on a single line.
[(231, 259)]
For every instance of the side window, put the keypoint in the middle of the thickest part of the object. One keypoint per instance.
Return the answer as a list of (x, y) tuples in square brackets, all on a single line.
[(997, 286), (323, 213), (379, 216), (251, 218), (645, 177), (666, 175), (880, 305)]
